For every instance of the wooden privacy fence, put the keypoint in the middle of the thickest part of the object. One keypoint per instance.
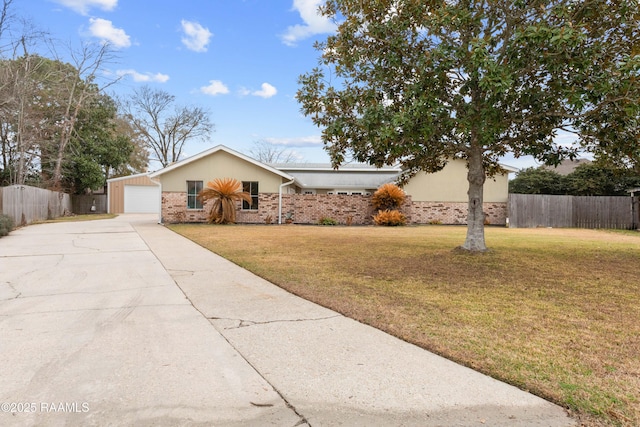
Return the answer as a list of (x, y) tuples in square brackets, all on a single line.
[(540, 210), (83, 204), (26, 204)]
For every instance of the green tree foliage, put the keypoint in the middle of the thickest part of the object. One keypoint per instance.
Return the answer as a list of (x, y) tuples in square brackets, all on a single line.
[(6, 225), (26, 121), (419, 82), (96, 148), (538, 181), (596, 179), (58, 130), (589, 179)]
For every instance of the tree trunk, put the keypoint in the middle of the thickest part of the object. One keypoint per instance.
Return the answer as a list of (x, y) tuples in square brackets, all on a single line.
[(475, 218)]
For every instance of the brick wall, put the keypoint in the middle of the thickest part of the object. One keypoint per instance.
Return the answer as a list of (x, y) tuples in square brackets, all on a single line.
[(174, 209), (455, 213), (310, 208)]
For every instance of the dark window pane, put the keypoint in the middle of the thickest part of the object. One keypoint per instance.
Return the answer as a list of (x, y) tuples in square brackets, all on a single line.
[(250, 187), (193, 188)]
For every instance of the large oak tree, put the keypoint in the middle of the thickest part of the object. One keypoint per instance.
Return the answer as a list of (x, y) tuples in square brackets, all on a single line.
[(420, 82)]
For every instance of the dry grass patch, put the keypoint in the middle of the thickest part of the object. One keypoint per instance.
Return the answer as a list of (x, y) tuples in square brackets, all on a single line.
[(82, 217), (552, 311)]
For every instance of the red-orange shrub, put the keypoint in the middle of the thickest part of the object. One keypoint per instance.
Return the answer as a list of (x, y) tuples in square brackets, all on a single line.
[(390, 218), (388, 197)]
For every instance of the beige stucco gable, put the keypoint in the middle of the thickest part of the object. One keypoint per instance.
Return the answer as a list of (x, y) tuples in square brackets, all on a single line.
[(450, 185), (219, 164)]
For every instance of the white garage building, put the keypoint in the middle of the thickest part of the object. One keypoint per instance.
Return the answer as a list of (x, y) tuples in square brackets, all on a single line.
[(133, 194)]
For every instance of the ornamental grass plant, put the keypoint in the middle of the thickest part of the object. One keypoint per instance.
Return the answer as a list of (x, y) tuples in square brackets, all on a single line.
[(224, 193)]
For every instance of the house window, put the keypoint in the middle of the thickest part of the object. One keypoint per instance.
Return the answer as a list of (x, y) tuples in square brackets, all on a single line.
[(250, 187), (193, 188)]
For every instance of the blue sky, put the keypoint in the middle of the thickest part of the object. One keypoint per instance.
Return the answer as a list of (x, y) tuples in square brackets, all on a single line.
[(240, 59)]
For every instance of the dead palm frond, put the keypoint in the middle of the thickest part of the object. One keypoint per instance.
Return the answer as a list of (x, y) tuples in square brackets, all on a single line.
[(224, 192)]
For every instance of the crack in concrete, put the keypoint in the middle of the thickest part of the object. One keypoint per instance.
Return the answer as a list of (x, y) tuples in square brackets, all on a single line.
[(246, 323), (36, 269), (95, 309), (180, 272), (73, 253), (75, 243), (89, 293), (302, 419), (14, 290)]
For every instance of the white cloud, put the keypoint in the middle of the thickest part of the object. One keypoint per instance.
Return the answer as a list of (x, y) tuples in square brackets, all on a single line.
[(314, 23), (104, 30), (83, 6), (300, 142), (144, 77), (267, 91), (216, 87), (196, 36)]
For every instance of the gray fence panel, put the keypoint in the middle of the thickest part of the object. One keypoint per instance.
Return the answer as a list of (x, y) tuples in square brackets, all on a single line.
[(541, 210), (603, 212), (536, 210), (26, 204)]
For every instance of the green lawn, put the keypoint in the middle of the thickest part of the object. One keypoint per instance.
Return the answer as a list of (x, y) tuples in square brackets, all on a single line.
[(552, 311)]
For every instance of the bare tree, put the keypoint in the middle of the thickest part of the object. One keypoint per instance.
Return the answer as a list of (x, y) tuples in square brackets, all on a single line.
[(21, 80), (78, 85), (41, 98), (5, 17), (19, 118), (163, 126), (266, 152)]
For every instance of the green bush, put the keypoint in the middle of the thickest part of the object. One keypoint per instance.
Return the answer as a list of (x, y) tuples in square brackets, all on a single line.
[(327, 221), (6, 225)]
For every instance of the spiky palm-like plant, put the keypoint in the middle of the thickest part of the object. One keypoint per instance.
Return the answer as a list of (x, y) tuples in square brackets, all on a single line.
[(224, 192)]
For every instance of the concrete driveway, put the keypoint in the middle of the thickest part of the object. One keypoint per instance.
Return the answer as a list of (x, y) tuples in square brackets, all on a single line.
[(122, 322)]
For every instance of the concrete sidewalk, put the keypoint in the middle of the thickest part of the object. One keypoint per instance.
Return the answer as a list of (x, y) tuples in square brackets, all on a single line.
[(90, 313)]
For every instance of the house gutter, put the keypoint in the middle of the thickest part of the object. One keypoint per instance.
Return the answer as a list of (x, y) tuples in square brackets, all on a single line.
[(280, 199), (159, 201), (109, 198)]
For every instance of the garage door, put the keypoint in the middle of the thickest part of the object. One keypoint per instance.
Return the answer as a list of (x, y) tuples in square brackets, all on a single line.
[(141, 199)]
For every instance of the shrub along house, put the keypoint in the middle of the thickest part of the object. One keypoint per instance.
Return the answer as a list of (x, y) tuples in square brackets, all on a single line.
[(309, 192)]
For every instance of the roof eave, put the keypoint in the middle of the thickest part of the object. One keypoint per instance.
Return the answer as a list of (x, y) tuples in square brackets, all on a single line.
[(213, 150), (121, 178)]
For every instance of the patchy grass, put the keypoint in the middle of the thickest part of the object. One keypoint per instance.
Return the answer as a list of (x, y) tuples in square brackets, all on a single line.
[(552, 311)]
